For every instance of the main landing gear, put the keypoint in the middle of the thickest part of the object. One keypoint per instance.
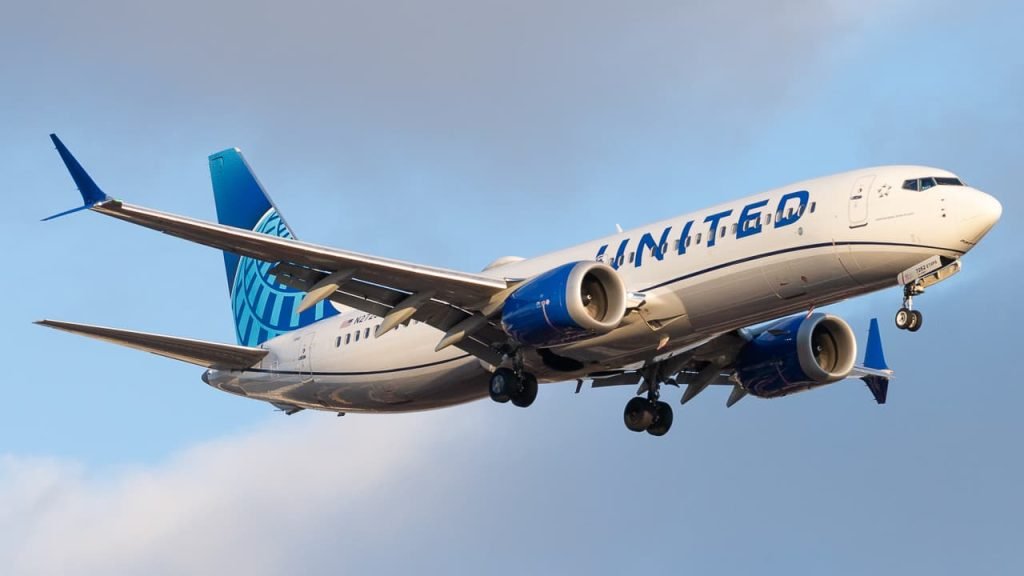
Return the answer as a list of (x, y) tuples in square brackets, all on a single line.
[(907, 318), (648, 413), (507, 385)]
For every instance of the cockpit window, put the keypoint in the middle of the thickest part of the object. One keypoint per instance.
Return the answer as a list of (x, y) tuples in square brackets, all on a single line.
[(922, 184)]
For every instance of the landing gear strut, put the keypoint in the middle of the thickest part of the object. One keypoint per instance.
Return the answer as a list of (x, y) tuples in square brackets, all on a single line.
[(907, 318), (507, 385), (648, 413)]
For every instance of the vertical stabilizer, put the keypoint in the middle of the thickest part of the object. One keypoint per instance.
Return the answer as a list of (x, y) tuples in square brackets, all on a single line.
[(262, 307)]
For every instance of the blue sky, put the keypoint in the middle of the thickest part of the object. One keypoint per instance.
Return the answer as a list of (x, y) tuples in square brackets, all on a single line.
[(453, 133)]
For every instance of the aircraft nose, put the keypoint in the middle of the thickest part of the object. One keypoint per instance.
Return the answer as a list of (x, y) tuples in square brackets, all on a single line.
[(983, 207), (981, 213), (991, 209)]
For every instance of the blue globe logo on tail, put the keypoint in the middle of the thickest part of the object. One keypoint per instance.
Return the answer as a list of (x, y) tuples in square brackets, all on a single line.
[(263, 307)]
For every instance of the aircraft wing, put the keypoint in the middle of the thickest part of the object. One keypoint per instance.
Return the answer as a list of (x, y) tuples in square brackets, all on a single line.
[(368, 283), (199, 352), (457, 303), (712, 362)]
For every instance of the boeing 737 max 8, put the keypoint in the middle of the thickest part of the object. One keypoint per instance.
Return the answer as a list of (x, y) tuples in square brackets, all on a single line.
[(672, 302)]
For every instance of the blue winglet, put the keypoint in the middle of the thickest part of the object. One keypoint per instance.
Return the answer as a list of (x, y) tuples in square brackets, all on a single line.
[(91, 193), (874, 357)]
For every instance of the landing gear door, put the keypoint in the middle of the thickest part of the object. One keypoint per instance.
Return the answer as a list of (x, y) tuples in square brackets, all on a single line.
[(859, 201)]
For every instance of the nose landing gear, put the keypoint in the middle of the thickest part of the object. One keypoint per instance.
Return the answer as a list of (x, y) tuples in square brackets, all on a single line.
[(907, 318), (914, 280)]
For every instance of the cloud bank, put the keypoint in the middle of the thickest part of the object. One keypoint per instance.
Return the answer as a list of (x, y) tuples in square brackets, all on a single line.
[(288, 497)]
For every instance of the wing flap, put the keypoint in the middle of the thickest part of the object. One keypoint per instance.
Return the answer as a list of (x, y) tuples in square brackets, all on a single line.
[(198, 352)]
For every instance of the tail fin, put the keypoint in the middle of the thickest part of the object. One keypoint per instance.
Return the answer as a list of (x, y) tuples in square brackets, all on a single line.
[(263, 308)]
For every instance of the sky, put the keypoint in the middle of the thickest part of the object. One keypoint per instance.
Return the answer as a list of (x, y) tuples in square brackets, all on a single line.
[(452, 133)]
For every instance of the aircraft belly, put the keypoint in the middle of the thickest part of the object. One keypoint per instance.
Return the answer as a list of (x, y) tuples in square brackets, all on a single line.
[(456, 382), (778, 285), (734, 292), (881, 264)]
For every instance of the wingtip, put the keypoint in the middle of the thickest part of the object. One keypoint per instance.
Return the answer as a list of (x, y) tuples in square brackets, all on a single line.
[(874, 354), (91, 193)]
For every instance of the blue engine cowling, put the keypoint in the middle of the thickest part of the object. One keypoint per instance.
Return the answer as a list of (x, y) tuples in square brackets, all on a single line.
[(797, 354), (566, 304)]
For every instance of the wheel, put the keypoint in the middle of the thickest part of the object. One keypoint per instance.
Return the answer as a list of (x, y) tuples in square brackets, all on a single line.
[(527, 392), (916, 319), (503, 383), (662, 419), (903, 318), (639, 414)]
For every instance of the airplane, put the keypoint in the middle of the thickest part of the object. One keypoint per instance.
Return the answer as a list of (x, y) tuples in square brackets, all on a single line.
[(722, 296)]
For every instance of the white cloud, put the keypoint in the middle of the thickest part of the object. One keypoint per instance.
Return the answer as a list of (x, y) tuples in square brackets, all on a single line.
[(255, 503)]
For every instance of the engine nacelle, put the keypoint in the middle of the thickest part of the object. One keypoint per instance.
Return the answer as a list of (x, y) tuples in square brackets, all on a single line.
[(797, 354), (566, 304)]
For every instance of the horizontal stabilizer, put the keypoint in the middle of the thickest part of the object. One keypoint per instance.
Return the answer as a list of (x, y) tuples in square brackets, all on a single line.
[(199, 352)]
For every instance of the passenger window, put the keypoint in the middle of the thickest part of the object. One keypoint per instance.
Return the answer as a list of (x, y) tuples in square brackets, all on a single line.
[(337, 342), (688, 241), (367, 334), (631, 255), (357, 335), (735, 226), (698, 237), (813, 205), (722, 235), (675, 245), (768, 219), (348, 338)]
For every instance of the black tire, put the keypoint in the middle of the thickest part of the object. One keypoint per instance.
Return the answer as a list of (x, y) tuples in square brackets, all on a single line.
[(662, 419), (527, 391), (503, 383), (639, 414), (916, 319), (903, 318)]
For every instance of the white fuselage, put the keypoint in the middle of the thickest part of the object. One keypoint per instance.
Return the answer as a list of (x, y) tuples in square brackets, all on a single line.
[(854, 234)]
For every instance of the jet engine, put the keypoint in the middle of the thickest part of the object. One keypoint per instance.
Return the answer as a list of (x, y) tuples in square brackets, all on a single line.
[(797, 354), (569, 303)]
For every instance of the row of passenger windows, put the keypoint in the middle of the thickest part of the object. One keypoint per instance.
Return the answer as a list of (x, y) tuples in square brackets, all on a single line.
[(749, 224), (922, 184), (362, 333)]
